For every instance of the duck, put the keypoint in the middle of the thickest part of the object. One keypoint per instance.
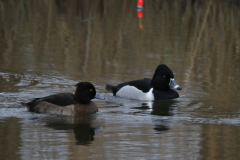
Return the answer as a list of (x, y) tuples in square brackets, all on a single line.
[(67, 103), (159, 87)]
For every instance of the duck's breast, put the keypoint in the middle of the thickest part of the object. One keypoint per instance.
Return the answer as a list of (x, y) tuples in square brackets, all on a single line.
[(165, 94), (85, 108)]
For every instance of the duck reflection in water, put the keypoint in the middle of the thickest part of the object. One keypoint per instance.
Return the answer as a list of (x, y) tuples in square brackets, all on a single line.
[(160, 108), (81, 126)]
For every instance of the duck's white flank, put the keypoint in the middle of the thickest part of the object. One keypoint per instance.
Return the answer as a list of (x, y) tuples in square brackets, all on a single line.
[(132, 92)]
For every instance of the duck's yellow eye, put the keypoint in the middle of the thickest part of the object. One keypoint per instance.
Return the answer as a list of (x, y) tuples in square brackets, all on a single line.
[(164, 76), (90, 90)]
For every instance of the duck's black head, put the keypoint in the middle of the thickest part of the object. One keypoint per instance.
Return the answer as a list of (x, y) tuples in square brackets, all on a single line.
[(163, 78), (85, 92)]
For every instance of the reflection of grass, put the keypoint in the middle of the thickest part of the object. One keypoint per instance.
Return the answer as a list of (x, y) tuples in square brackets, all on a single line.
[(10, 139), (52, 36)]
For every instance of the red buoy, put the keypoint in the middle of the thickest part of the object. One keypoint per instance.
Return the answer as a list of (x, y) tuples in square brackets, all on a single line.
[(140, 12), (140, 3)]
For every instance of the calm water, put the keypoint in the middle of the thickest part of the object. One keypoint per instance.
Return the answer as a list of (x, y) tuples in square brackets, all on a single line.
[(48, 46)]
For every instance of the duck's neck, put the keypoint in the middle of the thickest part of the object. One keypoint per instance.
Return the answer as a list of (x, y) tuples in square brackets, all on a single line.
[(81, 99), (160, 83)]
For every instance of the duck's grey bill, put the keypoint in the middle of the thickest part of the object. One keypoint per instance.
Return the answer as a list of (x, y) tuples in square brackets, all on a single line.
[(173, 84), (99, 97)]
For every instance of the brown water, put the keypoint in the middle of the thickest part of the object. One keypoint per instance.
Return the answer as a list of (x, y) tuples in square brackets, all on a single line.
[(48, 46)]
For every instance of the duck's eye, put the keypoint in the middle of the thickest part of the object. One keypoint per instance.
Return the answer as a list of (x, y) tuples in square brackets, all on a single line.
[(90, 90), (164, 76)]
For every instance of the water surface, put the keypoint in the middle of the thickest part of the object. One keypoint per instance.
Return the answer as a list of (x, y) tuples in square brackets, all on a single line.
[(48, 46)]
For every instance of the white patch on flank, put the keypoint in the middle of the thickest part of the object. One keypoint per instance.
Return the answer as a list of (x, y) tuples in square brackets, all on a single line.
[(132, 92)]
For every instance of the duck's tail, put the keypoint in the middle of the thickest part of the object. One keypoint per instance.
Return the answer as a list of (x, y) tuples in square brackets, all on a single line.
[(111, 88), (24, 104), (30, 105)]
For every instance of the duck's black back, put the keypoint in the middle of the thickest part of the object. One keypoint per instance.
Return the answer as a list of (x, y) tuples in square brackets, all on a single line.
[(60, 99)]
